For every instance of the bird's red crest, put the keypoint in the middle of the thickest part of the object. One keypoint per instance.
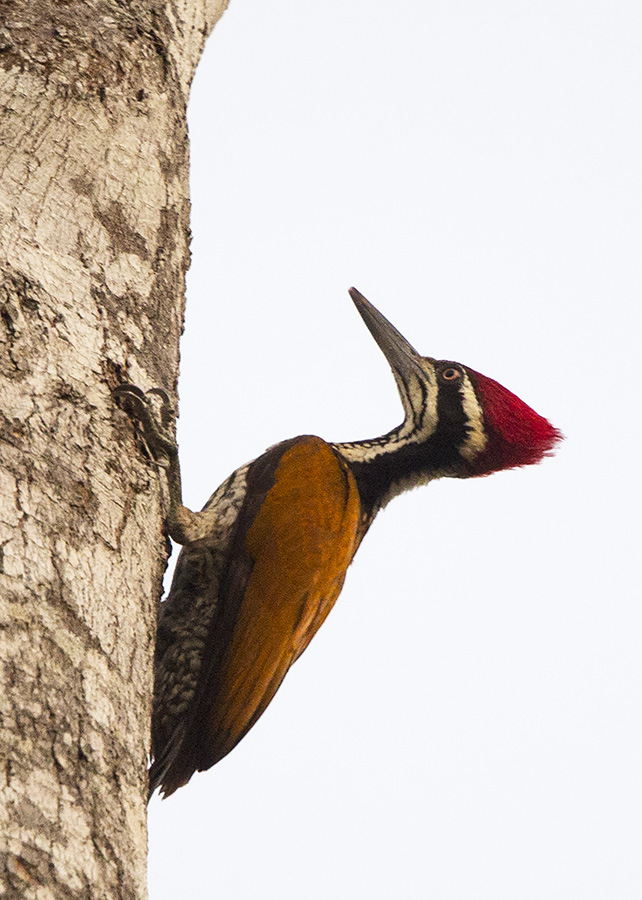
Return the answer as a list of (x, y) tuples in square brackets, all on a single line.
[(517, 435)]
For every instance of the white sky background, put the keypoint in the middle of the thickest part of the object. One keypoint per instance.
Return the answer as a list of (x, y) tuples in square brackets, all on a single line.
[(467, 724)]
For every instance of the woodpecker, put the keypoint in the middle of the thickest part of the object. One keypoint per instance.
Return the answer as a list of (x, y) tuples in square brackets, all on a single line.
[(264, 561)]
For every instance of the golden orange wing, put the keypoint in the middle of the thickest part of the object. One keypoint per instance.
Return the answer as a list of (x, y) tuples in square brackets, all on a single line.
[(295, 537)]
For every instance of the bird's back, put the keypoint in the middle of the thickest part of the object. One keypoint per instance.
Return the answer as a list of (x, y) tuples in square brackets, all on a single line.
[(247, 599)]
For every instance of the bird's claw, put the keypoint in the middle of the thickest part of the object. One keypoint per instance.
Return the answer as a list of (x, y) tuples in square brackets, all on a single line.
[(154, 424)]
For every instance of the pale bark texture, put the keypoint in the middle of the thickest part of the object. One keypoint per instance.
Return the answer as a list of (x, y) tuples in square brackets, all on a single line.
[(94, 232)]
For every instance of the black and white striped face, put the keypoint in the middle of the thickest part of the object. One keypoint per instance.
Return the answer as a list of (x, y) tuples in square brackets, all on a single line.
[(438, 398), (456, 423)]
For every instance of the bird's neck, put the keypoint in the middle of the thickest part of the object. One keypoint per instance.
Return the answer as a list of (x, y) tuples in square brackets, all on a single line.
[(386, 466)]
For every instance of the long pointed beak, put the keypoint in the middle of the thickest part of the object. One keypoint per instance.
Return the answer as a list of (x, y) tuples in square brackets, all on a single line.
[(402, 356)]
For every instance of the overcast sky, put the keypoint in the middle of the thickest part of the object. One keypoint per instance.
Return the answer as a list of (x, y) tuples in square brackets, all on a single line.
[(467, 724)]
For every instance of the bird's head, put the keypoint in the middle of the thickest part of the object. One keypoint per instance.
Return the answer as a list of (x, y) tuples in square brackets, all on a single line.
[(460, 422)]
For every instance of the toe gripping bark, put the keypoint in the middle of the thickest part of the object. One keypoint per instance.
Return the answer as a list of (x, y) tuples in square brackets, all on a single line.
[(183, 525)]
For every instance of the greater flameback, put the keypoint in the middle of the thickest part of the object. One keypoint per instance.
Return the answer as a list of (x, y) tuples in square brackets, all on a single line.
[(264, 561)]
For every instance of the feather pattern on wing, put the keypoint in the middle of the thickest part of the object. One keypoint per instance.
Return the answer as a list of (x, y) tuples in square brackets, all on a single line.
[(294, 537)]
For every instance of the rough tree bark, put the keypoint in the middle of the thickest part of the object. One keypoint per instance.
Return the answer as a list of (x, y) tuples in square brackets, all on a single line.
[(93, 250)]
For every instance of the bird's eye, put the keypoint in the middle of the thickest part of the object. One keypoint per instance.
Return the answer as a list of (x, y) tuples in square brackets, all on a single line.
[(451, 374)]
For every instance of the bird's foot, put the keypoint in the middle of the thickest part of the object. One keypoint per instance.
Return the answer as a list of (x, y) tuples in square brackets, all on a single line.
[(154, 418), (154, 414)]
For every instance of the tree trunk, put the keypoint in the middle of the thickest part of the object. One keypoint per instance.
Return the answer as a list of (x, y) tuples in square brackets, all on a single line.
[(94, 235)]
